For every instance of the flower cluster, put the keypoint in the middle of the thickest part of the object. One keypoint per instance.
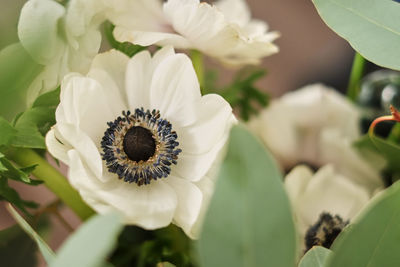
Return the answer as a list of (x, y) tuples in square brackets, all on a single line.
[(144, 132), (152, 163), (314, 128)]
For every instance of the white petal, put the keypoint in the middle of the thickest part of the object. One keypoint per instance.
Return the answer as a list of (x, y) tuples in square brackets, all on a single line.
[(141, 15), (139, 74), (151, 206), (277, 130), (114, 63), (142, 22), (138, 77), (162, 55), (145, 38), (235, 11), (174, 89), (339, 150), (38, 30), (80, 176), (110, 95), (88, 47), (320, 106), (296, 182), (330, 192), (90, 116), (292, 125), (84, 14), (193, 167), (84, 145), (213, 114), (251, 51), (55, 147), (203, 25), (190, 200)]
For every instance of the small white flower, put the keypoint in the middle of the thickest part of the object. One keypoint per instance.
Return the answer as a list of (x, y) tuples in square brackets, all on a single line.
[(225, 30), (326, 191), (139, 138), (316, 125), (62, 39)]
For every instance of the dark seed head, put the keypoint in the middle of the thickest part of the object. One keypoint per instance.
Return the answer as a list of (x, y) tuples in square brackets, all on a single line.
[(324, 231), (139, 144)]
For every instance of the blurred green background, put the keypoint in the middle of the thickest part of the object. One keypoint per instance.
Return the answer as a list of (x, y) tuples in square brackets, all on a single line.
[(9, 13)]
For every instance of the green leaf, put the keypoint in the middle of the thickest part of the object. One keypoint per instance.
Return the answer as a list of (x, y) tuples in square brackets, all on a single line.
[(9, 194), (46, 251), (244, 95), (18, 70), (372, 238), (249, 221), (50, 99), (371, 27), (315, 257), (33, 124), (7, 132), (389, 150), (165, 264), (16, 248), (91, 243), (31, 127), (9, 171)]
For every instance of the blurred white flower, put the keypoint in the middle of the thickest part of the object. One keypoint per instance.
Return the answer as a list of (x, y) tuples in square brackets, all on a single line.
[(316, 125), (139, 138), (62, 39), (326, 191), (224, 30)]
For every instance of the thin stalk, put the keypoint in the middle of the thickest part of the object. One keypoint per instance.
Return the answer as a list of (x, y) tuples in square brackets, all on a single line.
[(198, 63), (394, 117), (53, 179), (357, 72)]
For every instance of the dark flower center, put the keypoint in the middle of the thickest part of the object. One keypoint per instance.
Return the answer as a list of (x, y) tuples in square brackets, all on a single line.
[(140, 147), (139, 144), (324, 231)]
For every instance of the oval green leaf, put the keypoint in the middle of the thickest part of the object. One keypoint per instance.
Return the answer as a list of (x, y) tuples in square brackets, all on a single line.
[(91, 243), (373, 237), (372, 27), (315, 257), (249, 221)]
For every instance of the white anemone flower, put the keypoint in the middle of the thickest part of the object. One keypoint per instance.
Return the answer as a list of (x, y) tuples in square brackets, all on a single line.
[(316, 125), (139, 138), (325, 192), (62, 39), (224, 30)]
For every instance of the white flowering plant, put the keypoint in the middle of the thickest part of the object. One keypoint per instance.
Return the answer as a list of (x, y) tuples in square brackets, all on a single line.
[(108, 104)]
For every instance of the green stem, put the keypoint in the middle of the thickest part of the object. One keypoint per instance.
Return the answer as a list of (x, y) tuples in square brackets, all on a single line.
[(197, 59), (53, 179), (356, 74)]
